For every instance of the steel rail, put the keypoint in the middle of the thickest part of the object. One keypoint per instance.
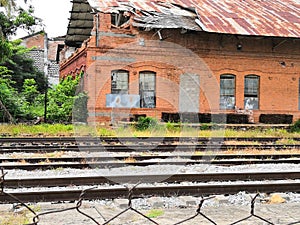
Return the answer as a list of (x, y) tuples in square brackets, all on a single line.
[(148, 178), (145, 148), (158, 190), (116, 164), (137, 157)]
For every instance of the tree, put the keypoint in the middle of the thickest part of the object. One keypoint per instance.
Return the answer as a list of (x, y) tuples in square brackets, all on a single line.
[(21, 67), (10, 22), (14, 56), (21, 20), (30, 91), (15, 65), (22, 86), (8, 5), (64, 100), (9, 97)]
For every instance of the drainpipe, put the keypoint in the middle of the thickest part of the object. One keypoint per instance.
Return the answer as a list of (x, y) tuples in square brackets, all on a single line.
[(97, 29), (46, 73)]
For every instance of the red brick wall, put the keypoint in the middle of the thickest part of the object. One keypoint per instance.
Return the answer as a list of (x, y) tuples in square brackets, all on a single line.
[(52, 49), (75, 64), (36, 41), (208, 55)]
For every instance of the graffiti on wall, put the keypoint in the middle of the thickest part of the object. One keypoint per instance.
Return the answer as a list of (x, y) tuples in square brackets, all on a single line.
[(122, 101)]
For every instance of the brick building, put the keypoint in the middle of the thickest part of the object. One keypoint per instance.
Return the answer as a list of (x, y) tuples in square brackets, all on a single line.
[(36, 42), (192, 57)]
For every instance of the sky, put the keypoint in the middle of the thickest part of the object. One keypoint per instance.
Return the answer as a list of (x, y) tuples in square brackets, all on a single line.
[(54, 13)]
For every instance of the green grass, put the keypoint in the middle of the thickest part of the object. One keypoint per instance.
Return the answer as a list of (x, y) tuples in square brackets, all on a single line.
[(19, 218), (160, 130), (153, 213), (36, 130)]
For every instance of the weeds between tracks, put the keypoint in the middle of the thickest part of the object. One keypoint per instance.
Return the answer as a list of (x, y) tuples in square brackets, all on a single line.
[(51, 130)]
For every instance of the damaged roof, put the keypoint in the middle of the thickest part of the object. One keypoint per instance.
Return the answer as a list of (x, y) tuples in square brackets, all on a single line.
[(276, 18), (80, 23)]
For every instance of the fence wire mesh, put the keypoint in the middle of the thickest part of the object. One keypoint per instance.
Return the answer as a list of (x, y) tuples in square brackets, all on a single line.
[(36, 216)]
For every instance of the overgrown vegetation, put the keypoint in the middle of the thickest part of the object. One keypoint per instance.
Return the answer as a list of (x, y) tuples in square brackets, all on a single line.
[(161, 130), (22, 92), (22, 86), (145, 123), (17, 73), (13, 18), (63, 98), (295, 127), (29, 103)]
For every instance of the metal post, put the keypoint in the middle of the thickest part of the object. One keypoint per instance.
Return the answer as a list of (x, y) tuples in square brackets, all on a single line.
[(46, 64)]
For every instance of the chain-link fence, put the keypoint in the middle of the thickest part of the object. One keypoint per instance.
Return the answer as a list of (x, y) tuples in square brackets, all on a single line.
[(130, 209)]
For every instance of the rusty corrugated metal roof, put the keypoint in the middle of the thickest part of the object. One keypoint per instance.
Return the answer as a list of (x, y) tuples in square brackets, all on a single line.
[(245, 17)]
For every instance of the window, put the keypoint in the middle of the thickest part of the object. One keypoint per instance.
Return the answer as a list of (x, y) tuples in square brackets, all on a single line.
[(227, 91), (120, 20), (147, 89), (251, 92), (119, 82)]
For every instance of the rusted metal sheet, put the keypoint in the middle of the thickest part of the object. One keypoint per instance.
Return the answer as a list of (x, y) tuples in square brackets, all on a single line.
[(244, 17), (163, 21)]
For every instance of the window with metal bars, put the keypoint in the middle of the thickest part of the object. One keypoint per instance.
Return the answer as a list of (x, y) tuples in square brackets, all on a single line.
[(119, 82), (227, 91), (147, 88), (251, 92)]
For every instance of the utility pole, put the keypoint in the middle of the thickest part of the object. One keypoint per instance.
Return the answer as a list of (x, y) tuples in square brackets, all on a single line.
[(46, 64)]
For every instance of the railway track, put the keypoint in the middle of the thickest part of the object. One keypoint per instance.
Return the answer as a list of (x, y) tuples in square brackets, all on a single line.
[(108, 165), (138, 152), (153, 144), (135, 157), (144, 148), (122, 161), (43, 194), (166, 178), (144, 191), (121, 152)]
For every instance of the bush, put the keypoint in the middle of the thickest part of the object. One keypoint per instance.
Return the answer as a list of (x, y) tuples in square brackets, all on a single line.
[(145, 123), (295, 127), (205, 127), (173, 127), (61, 100)]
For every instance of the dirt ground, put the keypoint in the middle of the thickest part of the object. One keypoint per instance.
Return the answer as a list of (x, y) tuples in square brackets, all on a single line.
[(281, 213)]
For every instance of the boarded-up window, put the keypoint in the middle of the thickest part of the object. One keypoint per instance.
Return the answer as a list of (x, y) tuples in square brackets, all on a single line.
[(227, 91), (119, 82), (251, 92), (147, 89)]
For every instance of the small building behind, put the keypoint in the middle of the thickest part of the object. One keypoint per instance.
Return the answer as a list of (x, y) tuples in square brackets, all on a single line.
[(36, 43)]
